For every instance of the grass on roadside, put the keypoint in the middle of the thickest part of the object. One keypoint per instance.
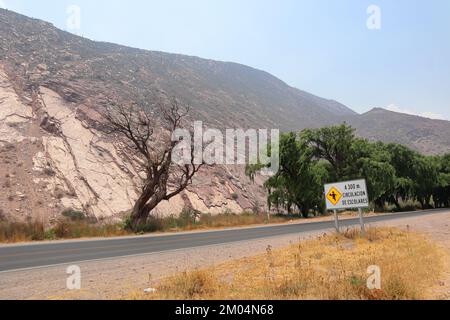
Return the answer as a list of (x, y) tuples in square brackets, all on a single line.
[(74, 225), (194, 220), (36, 231), (331, 267)]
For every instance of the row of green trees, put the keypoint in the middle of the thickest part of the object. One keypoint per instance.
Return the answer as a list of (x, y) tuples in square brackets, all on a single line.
[(395, 174)]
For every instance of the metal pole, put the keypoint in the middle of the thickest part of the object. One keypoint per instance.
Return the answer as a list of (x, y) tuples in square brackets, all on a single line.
[(336, 221), (361, 221)]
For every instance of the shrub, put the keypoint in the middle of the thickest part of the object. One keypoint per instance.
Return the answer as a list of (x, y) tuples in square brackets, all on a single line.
[(83, 229), (62, 230), (74, 215), (191, 285), (188, 217), (16, 231), (49, 172), (154, 224)]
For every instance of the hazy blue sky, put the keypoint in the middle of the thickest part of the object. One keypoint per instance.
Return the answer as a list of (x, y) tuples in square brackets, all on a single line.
[(320, 46)]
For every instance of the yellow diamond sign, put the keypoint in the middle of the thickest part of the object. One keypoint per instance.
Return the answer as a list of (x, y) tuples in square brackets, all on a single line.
[(334, 196)]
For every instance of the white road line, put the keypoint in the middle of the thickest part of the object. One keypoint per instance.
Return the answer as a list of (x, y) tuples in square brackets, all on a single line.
[(158, 252)]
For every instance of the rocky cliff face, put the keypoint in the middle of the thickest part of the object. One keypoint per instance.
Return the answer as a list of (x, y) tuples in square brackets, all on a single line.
[(53, 159)]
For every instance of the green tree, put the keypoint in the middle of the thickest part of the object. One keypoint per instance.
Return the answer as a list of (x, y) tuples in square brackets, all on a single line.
[(394, 173), (426, 172), (441, 193), (352, 158), (372, 162), (402, 159), (299, 182), (334, 145)]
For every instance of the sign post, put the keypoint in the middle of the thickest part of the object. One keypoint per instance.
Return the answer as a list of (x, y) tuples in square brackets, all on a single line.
[(347, 195), (361, 222), (336, 221)]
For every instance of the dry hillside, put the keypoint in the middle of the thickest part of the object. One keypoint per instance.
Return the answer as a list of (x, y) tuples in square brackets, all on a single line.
[(53, 156)]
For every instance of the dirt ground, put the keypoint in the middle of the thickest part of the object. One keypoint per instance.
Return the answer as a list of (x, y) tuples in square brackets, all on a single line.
[(436, 228), (115, 278)]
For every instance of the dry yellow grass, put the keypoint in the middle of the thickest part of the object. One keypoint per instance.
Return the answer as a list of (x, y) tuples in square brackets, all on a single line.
[(331, 267), (12, 232)]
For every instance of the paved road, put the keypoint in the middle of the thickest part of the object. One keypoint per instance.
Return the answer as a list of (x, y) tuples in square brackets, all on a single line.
[(55, 253)]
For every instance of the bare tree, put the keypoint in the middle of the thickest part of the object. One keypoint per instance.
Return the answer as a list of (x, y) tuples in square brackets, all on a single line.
[(149, 142)]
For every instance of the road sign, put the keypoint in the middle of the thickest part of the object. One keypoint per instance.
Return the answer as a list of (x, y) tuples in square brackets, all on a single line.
[(334, 196), (347, 195)]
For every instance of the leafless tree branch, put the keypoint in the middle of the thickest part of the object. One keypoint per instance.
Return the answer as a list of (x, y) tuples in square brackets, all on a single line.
[(151, 143)]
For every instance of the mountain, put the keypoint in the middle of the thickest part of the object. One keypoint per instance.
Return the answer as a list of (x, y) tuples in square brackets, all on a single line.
[(54, 158), (80, 68), (422, 134), (222, 94)]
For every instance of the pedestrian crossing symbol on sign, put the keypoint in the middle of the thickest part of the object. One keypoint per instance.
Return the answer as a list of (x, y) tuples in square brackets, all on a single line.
[(334, 196)]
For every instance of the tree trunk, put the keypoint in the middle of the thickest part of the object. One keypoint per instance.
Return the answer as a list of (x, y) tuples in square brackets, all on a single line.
[(305, 213), (304, 210), (422, 203), (141, 209), (139, 215), (397, 203), (428, 202), (148, 201)]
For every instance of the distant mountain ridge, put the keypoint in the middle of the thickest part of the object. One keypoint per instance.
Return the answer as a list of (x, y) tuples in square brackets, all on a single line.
[(425, 135)]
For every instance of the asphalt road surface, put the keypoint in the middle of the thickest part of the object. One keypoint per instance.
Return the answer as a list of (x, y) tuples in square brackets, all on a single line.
[(17, 257)]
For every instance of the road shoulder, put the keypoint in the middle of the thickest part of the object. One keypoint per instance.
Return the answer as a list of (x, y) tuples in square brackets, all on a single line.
[(114, 278)]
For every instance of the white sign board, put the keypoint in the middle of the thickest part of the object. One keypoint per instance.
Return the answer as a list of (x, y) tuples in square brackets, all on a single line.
[(347, 195)]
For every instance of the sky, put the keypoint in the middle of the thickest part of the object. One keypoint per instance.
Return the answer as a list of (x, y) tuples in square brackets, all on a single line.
[(364, 54)]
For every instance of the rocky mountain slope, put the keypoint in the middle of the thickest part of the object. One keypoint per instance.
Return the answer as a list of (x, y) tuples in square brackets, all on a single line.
[(53, 157), (422, 134), (80, 69), (53, 160)]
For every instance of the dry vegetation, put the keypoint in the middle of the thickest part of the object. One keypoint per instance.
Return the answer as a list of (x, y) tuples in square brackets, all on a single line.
[(193, 220), (36, 231), (331, 267), (75, 226)]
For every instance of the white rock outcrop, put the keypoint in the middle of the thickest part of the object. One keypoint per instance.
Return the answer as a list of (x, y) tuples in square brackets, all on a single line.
[(65, 164)]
